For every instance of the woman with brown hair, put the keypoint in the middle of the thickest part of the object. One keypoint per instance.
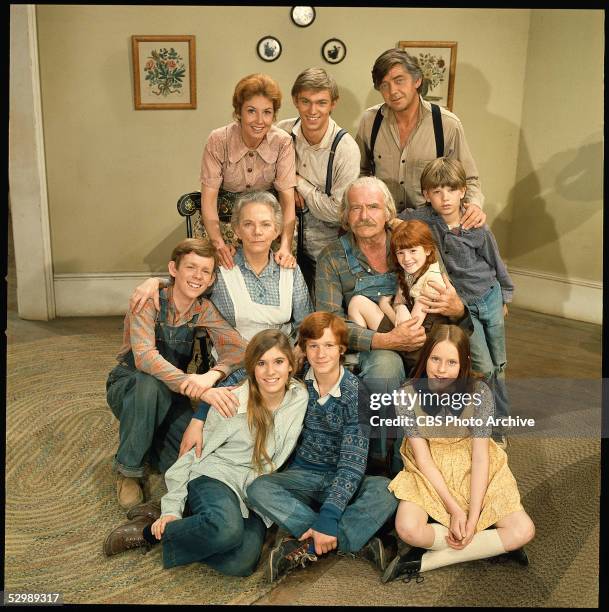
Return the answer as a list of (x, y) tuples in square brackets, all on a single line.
[(249, 154), (221, 531), (453, 471)]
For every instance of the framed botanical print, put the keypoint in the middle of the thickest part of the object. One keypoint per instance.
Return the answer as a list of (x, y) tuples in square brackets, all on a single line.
[(164, 72), (438, 60)]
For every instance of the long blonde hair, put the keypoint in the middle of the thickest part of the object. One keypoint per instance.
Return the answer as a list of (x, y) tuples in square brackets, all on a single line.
[(259, 418)]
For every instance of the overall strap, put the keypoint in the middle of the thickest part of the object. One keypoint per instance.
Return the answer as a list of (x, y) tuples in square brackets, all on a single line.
[(376, 126), (292, 133), (335, 142), (438, 130), (354, 265), (162, 313)]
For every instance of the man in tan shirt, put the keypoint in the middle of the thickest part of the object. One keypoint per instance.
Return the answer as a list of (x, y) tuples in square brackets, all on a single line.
[(314, 132), (405, 141)]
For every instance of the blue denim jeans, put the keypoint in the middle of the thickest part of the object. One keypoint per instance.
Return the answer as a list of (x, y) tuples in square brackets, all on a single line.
[(487, 344), (152, 420), (382, 371), (215, 533), (286, 498)]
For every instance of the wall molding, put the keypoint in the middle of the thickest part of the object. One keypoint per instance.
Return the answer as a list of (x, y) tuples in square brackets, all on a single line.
[(27, 171), (103, 294), (571, 298), (95, 294)]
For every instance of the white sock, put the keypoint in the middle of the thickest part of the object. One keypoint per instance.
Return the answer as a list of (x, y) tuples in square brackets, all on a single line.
[(484, 544), (439, 542)]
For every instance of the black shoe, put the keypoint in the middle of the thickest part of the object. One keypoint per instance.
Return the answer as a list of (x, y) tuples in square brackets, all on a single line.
[(287, 555), (408, 564), (372, 551), (519, 555)]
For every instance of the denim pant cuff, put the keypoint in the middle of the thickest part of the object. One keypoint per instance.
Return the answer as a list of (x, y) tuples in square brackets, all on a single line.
[(130, 472)]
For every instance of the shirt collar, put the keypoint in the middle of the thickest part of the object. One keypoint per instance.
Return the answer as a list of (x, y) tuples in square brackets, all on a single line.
[(335, 390), (270, 268), (237, 149), (324, 143), (358, 252)]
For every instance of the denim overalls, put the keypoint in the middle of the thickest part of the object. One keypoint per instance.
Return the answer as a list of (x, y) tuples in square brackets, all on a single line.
[(142, 402), (372, 286), (381, 371)]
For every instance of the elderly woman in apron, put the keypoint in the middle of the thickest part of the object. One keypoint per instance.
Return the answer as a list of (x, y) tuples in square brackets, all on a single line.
[(256, 293), (249, 154)]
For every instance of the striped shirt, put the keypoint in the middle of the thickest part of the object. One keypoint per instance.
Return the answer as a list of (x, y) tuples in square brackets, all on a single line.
[(139, 337)]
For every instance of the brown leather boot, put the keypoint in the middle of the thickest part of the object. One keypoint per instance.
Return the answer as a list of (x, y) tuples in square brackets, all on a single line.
[(126, 536), (128, 491), (150, 510)]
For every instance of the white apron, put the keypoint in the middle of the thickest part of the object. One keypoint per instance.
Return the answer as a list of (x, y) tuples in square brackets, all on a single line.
[(251, 317)]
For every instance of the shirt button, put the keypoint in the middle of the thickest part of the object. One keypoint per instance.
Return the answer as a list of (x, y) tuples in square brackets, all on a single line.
[(379, 157), (369, 270), (247, 186), (401, 182), (249, 169), (251, 154), (403, 161), (304, 165)]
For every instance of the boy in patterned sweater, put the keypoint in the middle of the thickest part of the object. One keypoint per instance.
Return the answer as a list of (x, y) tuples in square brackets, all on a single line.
[(327, 470)]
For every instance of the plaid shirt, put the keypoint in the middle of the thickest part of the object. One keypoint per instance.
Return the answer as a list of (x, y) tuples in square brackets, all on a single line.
[(139, 337), (263, 289), (335, 286)]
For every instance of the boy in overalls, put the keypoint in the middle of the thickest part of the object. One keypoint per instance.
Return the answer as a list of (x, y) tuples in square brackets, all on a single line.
[(149, 390)]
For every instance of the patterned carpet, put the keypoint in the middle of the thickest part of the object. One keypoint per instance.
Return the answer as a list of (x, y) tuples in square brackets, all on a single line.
[(60, 503), (60, 495)]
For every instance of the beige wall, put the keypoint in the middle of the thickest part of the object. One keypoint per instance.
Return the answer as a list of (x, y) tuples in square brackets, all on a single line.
[(556, 203), (114, 174)]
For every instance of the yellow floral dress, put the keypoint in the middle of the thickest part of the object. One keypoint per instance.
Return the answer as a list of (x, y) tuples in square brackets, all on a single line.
[(453, 457)]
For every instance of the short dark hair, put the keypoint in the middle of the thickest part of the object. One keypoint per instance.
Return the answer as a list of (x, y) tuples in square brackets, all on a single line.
[(390, 58)]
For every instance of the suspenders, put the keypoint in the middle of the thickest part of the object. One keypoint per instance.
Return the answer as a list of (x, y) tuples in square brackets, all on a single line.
[(335, 142), (438, 132)]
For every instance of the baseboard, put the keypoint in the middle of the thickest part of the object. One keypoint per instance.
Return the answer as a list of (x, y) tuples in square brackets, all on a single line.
[(571, 298), (94, 295)]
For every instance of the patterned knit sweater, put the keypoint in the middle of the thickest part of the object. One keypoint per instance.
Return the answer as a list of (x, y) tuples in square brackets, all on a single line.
[(332, 440)]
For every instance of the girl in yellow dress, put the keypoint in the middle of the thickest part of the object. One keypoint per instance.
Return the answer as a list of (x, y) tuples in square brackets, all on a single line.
[(453, 471)]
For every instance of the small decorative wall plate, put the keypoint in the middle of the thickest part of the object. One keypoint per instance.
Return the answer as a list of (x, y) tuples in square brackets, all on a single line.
[(268, 48), (334, 51), (302, 16)]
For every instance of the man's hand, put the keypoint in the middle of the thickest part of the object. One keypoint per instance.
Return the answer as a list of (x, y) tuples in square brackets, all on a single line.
[(284, 258), (193, 436), (158, 527), (323, 543), (394, 223), (442, 300), (196, 385), (473, 216), (408, 336), (147, 290), (222, 400)]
